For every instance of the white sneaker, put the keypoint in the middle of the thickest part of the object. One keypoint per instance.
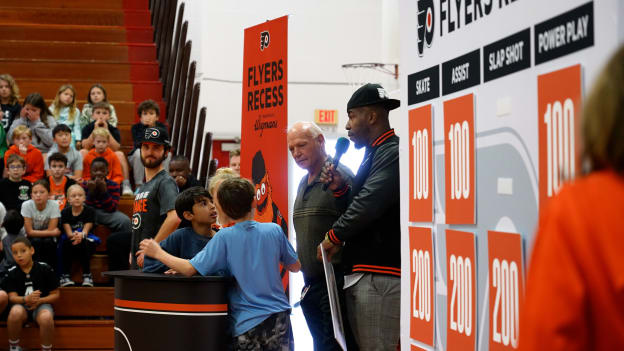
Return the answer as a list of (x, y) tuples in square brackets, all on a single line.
[(66, 281), (87, 280), (126, 190)]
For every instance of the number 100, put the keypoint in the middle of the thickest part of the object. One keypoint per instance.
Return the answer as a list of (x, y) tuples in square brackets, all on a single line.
[(559, 120)]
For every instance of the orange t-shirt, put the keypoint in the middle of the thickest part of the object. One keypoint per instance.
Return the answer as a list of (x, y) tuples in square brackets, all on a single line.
[(34, 161), (575, 287), (57, 192), (114, 165)]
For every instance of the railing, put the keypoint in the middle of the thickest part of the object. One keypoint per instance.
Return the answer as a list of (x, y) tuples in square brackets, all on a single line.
[(180, 91)]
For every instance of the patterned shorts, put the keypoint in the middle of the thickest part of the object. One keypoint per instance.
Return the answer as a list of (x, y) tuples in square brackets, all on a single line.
[(273, 334)]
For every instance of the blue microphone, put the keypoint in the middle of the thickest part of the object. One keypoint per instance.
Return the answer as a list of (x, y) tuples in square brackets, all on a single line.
[(342, 145)]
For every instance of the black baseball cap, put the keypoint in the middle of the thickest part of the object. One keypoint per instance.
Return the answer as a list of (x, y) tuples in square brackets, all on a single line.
[(372, 94), (156, 135)]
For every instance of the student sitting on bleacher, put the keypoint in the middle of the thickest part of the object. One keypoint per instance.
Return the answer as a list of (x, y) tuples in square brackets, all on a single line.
[(65, 111), (195, 205), (97, 93), (77, 241), (148, 112), (103, 196), (41, 217), (59, 182), (22, 138), (10, 109), (14, 227), (36, 116), (33, 288), (4, 297), (180, 171), (101, 138), (62, 143), (101, 113), (15, 189)]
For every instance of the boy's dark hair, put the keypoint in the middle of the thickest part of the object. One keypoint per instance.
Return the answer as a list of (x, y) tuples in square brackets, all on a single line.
[(22, 239), (189, 197), (148, 105), (100, 160), (57, 156), (179, 158), (61, 128), (13, 222), (15, 158), (43, 182), (236, 197), (102, 105)]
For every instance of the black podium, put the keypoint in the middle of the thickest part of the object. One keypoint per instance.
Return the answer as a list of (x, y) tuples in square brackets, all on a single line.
[(170, 312)]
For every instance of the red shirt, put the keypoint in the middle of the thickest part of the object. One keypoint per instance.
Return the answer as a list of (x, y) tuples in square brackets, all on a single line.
[(114, 165), (575, 286)]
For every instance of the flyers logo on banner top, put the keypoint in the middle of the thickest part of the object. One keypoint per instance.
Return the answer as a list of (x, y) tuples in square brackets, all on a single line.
[(265, 39), (425, 24)]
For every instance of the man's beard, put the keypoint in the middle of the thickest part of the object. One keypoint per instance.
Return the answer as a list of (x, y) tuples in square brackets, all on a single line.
[(153, 164)]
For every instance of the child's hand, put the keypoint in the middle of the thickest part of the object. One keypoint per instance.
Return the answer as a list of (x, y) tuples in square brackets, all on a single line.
[(23, 148), (76, 238), (32, 299), (171, 271), (149, 247), (91, 185), (101, 124), (100, 185)]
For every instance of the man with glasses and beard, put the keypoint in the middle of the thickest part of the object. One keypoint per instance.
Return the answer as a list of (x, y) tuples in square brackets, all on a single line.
[(154, 213)]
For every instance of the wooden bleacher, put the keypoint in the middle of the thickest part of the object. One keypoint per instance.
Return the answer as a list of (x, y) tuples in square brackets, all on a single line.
[(47, 43)]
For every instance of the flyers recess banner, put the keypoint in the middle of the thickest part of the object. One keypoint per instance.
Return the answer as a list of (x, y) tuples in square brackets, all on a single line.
[(264, 153)]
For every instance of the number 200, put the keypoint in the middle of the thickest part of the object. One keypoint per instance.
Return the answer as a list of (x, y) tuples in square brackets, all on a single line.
[(460, 271), (421, 265), (505, 280)]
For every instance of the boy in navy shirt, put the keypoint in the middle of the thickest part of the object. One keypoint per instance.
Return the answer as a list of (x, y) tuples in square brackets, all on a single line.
[(250, 252)]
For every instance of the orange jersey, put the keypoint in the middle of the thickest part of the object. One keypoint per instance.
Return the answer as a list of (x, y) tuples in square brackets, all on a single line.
[(114, 165), (575, 286), (34, 161), (57, 191)]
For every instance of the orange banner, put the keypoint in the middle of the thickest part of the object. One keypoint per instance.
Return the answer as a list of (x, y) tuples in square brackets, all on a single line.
[(506, 290), (420, 165), (264, 153), (422, 316), (461, 285), (459, 160), (558, 119)]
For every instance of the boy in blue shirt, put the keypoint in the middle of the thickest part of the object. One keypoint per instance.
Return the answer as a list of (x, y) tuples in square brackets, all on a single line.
[(194, 205), (250, 252)]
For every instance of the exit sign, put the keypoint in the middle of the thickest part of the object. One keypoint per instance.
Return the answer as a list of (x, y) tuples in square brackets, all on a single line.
[(326, 117)]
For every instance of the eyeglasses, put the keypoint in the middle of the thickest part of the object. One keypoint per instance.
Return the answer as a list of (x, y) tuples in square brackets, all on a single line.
[(15, 167)]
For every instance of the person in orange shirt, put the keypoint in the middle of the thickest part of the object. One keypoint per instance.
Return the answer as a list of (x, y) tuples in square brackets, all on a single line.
[(575, 286), (59, 182), (100, 140), (22, 138)]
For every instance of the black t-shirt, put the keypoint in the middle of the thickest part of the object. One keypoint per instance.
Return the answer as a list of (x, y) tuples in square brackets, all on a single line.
[(88, 129), (13, 194), (41, 277), (77, 222), (9, 112), (151, 204), (190, 182)]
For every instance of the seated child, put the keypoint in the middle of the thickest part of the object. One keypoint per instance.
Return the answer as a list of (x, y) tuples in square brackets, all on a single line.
[(77, 240), (4, 297), (9, 100), (36, 116), (103, 196), (59, 182), (101, 114), (101, 138), (15, 189), (258, 304), (13, 225), (97, 93), (22, 138), (32, 288), (148, 112), (62, 143), (194, 205), (180, 171), (65, 111), (41, 217)]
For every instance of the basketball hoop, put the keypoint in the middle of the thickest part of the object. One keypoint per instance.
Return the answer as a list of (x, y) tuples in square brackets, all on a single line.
[(358, 74)]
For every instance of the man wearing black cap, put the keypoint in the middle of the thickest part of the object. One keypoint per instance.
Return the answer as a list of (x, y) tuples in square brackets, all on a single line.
[(154, 203), (370, 227)]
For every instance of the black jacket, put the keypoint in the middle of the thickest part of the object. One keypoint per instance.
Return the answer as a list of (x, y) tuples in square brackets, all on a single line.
[(370, 227)]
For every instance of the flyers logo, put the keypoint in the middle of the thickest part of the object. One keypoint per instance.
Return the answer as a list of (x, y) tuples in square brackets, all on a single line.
[(136, 221), (265, 39), (152, 133), (426, 22)]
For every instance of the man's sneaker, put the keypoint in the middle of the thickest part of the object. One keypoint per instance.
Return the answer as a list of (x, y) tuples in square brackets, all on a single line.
[(126, 190), (66, 280), (87, 280)]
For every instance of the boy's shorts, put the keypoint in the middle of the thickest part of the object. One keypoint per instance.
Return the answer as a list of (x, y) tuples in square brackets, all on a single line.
[(273, 334), (32, 314)]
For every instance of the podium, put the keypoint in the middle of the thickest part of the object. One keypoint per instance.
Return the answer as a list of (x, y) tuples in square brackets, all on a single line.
[(170, 312)]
